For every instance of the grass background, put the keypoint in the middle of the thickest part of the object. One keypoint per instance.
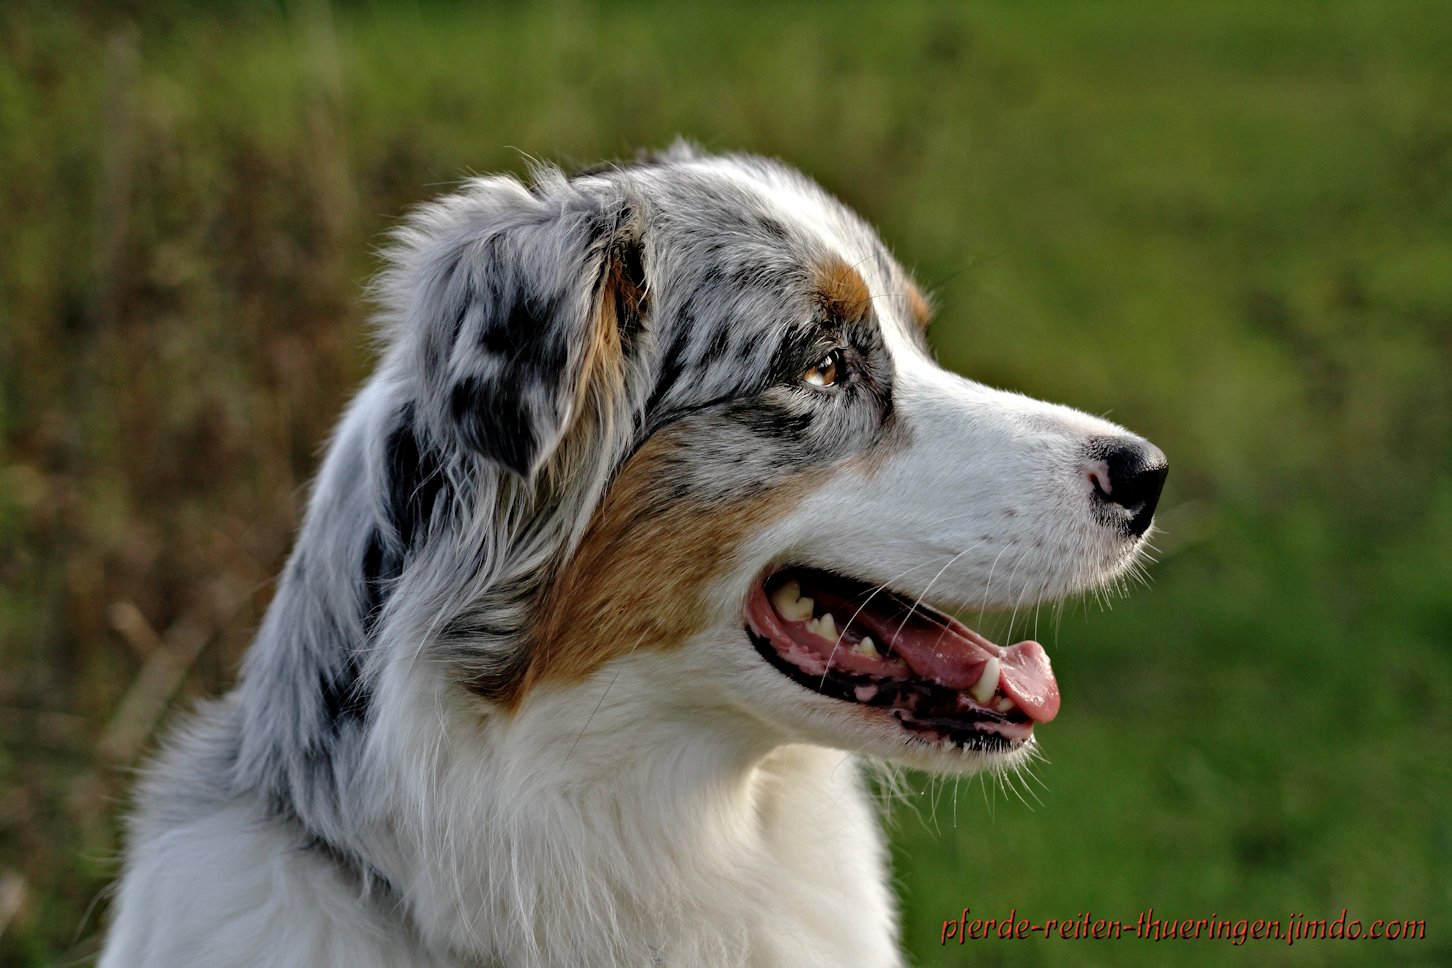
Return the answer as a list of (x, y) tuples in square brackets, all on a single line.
[(1225, 224)]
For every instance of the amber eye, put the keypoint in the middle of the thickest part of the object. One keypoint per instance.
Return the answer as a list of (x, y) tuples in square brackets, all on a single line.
[(823, 373)]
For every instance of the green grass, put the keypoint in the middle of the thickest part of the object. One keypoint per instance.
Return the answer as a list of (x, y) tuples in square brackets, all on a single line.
[(1227, 225)]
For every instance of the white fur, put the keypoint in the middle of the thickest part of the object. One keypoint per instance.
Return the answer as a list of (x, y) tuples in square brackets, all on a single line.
[(733, 848)]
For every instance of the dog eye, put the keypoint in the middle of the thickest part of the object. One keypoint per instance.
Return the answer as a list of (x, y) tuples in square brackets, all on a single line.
[(823, 373)]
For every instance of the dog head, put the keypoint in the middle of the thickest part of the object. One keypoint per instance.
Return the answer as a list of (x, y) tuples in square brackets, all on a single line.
[(682, 417)]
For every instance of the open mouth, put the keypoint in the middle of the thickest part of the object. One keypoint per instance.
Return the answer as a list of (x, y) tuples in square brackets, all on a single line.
[(936, 677)]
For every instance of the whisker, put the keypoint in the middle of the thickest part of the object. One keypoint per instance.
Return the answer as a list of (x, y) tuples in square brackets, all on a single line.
[(873, 594), (601, 701), (917, 604)]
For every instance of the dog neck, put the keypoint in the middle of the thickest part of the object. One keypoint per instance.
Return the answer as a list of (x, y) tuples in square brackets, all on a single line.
[(597, 819)]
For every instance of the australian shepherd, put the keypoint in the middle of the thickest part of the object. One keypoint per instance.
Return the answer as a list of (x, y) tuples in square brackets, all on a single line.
[(638, 539)]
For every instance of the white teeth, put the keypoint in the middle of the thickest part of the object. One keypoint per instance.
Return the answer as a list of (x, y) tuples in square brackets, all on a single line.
[(1004, 704), (789, 602), (987, 683), (789, 591), (799, 611), (824, 626), (865, 648)]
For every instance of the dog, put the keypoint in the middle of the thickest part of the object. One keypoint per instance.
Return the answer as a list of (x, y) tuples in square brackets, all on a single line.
[(638, 539)]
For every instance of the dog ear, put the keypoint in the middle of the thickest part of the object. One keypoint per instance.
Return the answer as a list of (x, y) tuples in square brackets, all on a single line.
[(521, 298)]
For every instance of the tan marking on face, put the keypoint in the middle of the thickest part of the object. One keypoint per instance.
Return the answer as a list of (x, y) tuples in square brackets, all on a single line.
[(842, 290), (637, 580), (602, 383), (918, 305), (621, 302), (604, 350)]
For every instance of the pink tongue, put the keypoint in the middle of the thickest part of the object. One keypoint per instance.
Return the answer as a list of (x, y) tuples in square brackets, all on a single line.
[(1029, 681), (956, 656)]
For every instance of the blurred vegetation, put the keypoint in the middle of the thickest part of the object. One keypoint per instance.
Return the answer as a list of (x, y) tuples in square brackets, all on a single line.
[(1227, 225)]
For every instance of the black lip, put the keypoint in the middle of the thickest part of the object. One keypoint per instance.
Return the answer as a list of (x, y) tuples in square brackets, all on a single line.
[(916, 704)]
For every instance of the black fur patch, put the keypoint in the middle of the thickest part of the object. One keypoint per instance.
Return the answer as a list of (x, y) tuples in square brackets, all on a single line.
[(382, 564), (494, 424), (517, 332), (630, 256), (673, 365), (776, 423), (345, 698), (415, 483)]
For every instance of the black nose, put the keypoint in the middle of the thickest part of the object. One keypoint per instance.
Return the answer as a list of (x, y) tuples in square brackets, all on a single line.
[(1128, 475)]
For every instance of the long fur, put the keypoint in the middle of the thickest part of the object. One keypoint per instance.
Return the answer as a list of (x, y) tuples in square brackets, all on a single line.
[(502, 710)]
